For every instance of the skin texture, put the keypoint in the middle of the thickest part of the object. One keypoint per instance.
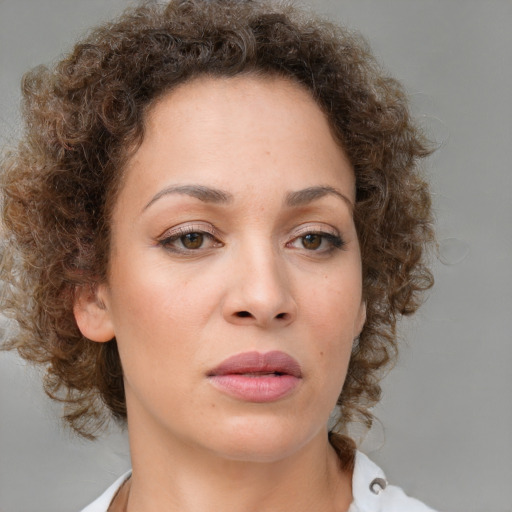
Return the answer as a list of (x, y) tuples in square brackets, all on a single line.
[(255, 283)]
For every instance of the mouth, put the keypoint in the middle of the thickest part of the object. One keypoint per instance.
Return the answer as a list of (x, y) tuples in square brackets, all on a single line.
[(256, 377), (257, 364)]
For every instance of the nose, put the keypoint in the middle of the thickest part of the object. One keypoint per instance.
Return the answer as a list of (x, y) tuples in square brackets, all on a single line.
[(260, 291)]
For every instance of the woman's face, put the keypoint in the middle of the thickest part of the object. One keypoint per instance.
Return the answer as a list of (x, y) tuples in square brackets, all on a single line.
[(234, 285)]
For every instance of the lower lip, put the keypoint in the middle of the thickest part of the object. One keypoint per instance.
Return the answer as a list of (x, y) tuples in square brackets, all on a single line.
[(258, 388)]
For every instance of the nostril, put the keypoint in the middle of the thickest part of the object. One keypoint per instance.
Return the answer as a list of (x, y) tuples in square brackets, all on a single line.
[(248, 314)]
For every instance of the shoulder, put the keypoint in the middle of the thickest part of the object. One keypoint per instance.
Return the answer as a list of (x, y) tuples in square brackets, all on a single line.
[(372, 493), (102, 503)]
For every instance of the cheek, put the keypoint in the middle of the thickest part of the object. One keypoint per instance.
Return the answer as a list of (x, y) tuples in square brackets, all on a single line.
[(160, 313), (151, 289), (334, 307), (332, 317)]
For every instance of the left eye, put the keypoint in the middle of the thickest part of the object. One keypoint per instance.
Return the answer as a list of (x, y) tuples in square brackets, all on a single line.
[(319, 242)]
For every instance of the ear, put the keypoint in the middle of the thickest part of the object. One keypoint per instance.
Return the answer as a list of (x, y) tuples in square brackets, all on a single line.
[(91, 313), (361, 317)]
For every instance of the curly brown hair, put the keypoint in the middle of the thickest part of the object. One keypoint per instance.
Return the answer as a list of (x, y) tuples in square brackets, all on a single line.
[(82, 118)]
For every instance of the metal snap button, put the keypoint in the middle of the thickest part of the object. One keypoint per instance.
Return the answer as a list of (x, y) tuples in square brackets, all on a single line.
[(378, 485)]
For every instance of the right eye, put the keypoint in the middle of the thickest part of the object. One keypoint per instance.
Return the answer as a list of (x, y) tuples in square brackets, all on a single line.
[(188, 240)]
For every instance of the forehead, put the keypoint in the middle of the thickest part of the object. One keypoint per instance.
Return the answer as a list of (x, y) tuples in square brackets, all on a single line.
[(261, 90), (246, 131)]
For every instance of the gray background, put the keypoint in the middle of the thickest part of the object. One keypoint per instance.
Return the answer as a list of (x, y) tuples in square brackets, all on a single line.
[(446, 417)]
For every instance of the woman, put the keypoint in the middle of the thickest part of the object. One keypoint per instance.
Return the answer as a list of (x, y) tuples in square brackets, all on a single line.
[(213, 223)]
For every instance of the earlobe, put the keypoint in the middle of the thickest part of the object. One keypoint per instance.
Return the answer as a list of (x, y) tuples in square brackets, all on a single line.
[(91, 313)]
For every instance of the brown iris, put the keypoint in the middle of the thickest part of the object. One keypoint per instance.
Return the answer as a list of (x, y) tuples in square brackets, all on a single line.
[(192, 240), (312, 241)]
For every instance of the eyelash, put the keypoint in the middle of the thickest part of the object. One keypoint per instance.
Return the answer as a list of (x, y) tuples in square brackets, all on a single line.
[(334, 241)]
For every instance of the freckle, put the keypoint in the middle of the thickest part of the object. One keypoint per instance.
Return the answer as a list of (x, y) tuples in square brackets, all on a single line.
[(321, 353)]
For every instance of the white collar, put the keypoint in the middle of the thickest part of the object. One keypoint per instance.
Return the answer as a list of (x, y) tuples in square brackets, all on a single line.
[(372, 493), (368, 482)]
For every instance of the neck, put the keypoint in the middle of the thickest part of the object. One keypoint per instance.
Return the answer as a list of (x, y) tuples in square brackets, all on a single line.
[(175, 476)]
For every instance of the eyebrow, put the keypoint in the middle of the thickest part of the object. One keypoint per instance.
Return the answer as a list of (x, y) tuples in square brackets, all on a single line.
[(310, 194), (205, 194), (213, 195)]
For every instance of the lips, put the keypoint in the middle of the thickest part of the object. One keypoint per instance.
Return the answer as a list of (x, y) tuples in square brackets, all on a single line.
[(257, 377)]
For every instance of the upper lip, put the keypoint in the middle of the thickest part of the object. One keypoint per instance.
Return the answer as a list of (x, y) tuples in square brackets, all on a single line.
[(256, 362)]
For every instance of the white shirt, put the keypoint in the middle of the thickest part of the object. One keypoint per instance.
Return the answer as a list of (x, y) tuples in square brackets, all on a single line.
[(369, 487)]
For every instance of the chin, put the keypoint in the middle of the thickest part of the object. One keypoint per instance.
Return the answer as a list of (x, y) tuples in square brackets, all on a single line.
[(263, 440)]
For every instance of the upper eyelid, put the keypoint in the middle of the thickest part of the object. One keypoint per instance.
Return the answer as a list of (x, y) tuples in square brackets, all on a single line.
[(186, 228), (315, 228)]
